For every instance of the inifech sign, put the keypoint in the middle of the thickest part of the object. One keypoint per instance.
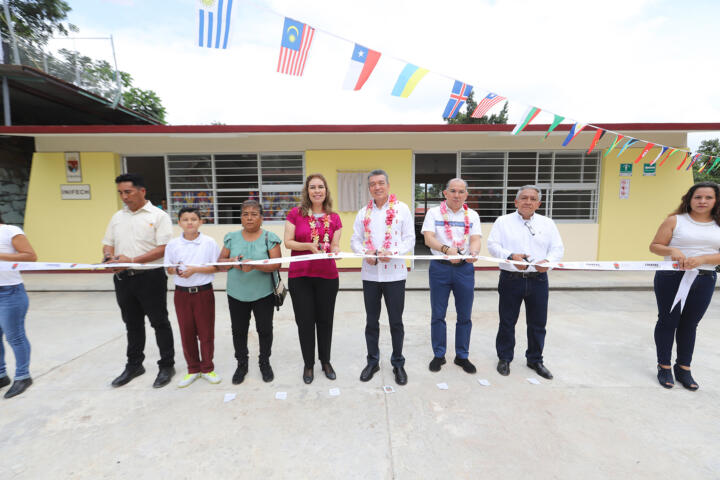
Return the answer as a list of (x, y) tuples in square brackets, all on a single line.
[(77, 191)]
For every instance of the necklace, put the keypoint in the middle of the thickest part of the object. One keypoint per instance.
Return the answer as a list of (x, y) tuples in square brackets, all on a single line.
[(315, 234), (389, 217), (448, 230)]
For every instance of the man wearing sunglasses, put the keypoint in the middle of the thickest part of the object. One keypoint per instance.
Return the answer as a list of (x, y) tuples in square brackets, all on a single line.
[(524, 236)]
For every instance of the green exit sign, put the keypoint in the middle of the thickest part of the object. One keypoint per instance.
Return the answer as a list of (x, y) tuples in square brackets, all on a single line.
[(626, 169), (648, 170)]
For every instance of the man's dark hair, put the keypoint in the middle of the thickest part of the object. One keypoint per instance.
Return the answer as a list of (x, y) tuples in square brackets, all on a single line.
[(189, 210), (133, 178)]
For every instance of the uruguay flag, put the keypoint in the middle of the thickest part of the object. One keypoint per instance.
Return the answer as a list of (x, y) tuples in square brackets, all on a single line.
[(214, 23), (362, 63)]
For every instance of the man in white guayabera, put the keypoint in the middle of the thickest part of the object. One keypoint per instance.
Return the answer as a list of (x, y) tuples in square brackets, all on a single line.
[(524, 236), (383, 227)]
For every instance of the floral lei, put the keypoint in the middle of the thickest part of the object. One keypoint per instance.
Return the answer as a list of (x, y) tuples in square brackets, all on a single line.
[(389, 217), (325, 245), (448, 230)]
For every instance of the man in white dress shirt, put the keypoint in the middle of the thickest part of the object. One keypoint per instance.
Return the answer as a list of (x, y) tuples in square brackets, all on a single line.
[(451, 229), (530, 237), (383, 276)]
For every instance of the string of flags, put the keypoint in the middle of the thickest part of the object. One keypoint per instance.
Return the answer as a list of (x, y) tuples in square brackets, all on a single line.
[(214, 22)]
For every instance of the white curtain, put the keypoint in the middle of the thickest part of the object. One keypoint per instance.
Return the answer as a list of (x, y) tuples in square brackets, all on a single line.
[(352, 192)]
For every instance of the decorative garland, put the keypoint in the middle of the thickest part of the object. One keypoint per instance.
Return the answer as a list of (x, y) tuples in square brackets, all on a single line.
[(325, 245), (389, 217), (448, 230)]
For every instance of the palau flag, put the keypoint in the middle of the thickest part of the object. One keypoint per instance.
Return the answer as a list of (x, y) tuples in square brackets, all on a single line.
[(362, 63), (408, 80), (458, 97), (214, 23)]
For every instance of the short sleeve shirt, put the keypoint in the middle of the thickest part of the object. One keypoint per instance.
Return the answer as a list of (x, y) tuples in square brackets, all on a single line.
[(303, 233), (192, 252), (7, 233), (434, 222), (252, 285), (135, 233)]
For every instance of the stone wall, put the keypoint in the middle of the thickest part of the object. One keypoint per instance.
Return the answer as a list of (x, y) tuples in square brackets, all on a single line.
[(15, 158)]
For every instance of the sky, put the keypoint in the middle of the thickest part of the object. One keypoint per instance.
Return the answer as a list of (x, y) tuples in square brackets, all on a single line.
[(593, 62)]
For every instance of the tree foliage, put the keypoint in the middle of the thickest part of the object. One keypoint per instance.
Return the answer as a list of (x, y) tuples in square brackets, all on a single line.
[(465, 116), (36, 21), (711, 148)]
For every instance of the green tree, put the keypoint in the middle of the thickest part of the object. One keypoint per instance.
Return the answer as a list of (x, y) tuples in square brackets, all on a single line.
[(711, 148), (469, 107), (36, 21)]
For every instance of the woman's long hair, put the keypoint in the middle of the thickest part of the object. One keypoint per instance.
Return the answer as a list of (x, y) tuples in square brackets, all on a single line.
[(306, 204), (685, 201)]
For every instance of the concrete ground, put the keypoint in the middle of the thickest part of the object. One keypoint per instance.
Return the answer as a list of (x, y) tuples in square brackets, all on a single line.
[(603, 416)]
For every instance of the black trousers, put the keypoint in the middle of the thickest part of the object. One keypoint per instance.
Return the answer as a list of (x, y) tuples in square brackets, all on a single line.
[(240, 322), (313, 301), (394, 293), (140, 295)]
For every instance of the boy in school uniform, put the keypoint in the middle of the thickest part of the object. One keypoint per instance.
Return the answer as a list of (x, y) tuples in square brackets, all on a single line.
[(194, 295)]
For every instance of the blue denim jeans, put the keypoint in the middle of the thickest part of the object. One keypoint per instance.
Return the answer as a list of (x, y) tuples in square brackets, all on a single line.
[(674, 325), (13, 307), (460, 281)]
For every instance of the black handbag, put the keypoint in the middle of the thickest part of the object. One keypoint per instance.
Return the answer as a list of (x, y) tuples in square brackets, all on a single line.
[(279, 289)]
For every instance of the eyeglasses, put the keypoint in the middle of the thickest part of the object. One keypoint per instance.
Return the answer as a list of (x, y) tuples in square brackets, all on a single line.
[(530, 228)]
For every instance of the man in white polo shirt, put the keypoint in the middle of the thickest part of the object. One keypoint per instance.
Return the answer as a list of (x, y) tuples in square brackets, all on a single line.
[(524, 236), (138, 234), (451, 229), (383, 227)]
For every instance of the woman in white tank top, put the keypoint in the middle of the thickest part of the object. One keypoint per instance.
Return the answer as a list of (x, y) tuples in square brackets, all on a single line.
[(691, 237)]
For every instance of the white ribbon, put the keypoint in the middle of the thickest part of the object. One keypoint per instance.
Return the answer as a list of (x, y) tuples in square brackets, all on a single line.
[(601, 266), (684, 288)]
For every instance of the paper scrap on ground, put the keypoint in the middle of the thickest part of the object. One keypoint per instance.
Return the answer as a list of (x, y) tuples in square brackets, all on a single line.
[(388, 389), (229, 397), (281, 396), (483, 382), (534, 381), (442, 386), (334, 392)]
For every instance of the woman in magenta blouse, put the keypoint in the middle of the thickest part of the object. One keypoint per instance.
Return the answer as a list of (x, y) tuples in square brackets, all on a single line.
[(314, 228)]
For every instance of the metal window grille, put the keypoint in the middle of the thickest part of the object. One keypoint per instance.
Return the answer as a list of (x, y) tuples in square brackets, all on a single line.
[(218, 184), (568, 181)]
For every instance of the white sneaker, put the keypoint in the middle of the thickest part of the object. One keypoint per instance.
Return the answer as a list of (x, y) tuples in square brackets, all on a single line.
[(212, 377), (188, 379)]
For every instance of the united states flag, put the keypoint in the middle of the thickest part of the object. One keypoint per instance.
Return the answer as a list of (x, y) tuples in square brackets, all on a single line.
[(490, 100), (294, 47)]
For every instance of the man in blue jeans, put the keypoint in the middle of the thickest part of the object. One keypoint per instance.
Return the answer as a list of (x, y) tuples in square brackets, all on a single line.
[(524, 236), (452, 229)]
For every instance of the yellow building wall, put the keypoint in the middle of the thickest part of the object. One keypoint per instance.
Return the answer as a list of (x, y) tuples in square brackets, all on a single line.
[(70, 230), (626, 226), (397, 164)]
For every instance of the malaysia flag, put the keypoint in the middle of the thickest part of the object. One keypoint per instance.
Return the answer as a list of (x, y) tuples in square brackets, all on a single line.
[(362, 63), (458, 97), (294, 47), (490, 100)]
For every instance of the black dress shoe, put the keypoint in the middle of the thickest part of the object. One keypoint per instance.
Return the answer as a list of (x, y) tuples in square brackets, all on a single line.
[(128, 374), (541, 370), (164, 376), (4, 381), (266, 371), (400, 375), (240, 372), (18, 387), (503, 368), (368, 372), (465, 364), (308, 375), (329, 372), (436, 363)]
